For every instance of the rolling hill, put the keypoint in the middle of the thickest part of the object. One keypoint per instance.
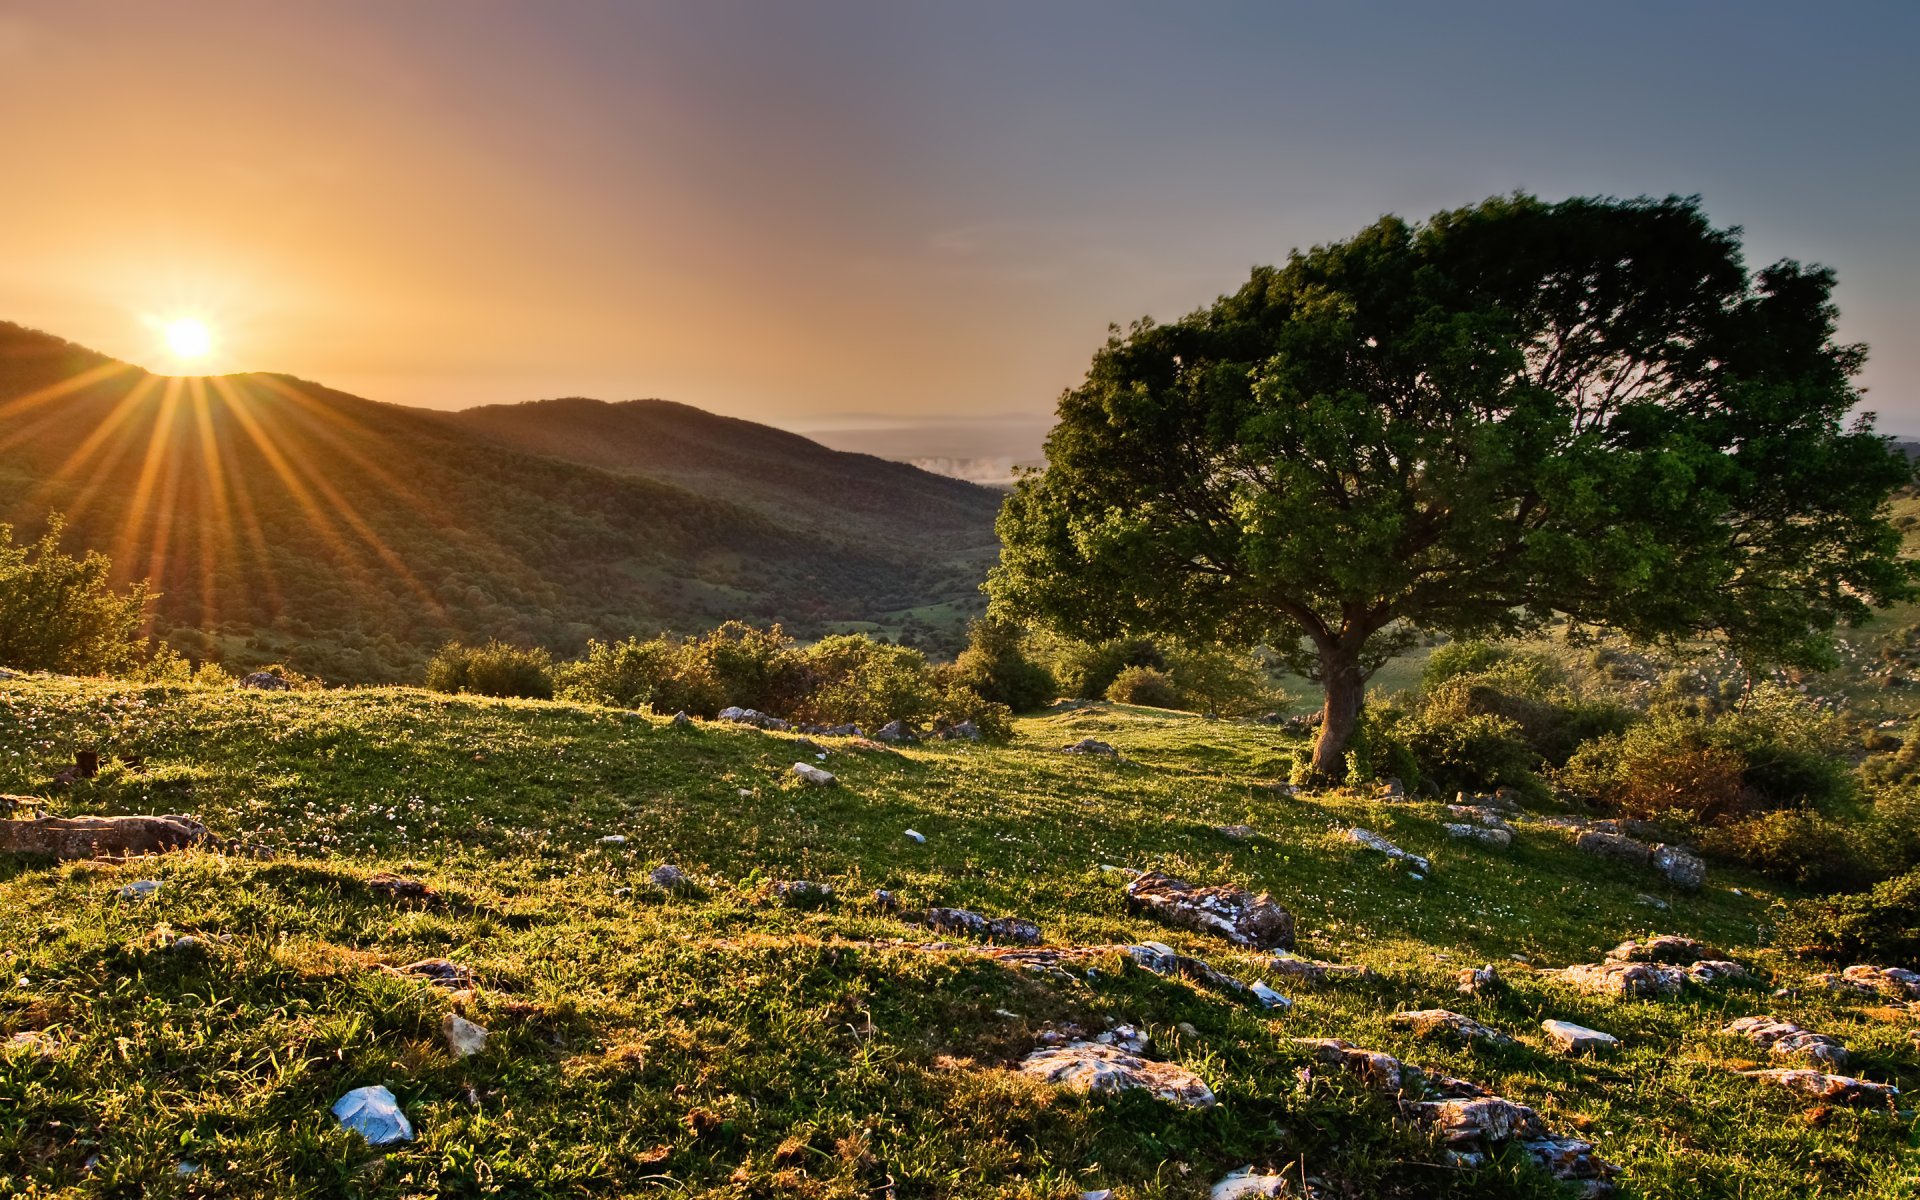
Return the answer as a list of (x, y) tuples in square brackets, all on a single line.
[(284, 520)]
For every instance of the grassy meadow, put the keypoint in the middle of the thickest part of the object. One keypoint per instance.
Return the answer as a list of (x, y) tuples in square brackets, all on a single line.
[(714, 1042)]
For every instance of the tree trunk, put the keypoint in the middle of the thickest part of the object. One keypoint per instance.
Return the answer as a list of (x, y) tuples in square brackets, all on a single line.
[(1346, 690)]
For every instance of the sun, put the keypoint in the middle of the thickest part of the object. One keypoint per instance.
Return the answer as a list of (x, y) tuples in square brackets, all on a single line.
[(188, 338)]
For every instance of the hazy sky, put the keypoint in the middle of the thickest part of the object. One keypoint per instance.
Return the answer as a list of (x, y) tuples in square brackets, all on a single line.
[(797, 211)]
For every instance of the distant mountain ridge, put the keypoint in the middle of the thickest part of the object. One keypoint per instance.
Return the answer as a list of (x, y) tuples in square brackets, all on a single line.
[(284, 520)]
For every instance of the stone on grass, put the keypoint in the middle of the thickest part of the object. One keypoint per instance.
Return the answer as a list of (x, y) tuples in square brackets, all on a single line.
[(1093, 1067), (1247, 920), (1498, 837), (1477, 981), (1896, 982), (914, 835), (669, 878), (614, 839), (803, 893), (1268, 998), (1661, 948), (1612, 845), (681, 720), (139, 889), (1238, 833), (463, 1037), (814, 775), (1715, 970), (1569, 1038), (963, 731), (1683, 870), (263, 681), (441, 973), (374, 1114), (1012, 930), (1370, 840), (100, 837), (1246, 1182), (896, 733), (1784, 1039), (1311, 970), (1833, 1089), (1624, 980), (1442, 1022), (1091, 746), (399, 887), (748, 716), (35, 1043)]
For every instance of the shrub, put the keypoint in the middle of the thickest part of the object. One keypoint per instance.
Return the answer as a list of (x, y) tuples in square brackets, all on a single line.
[(625, 674), (1218, 680), (1461, 658), (865, 682), (1795, 845), (1144, 685), (1086, 670), (57, 612), (1474, 752), (752, 667), (993, 719), (495, 669), (1881, 925), (995, 667)]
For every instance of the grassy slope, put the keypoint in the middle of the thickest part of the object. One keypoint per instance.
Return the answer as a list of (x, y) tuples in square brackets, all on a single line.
[(721, 1044)]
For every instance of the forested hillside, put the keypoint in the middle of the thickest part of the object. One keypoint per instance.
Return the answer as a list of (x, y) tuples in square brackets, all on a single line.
[(283, 520)]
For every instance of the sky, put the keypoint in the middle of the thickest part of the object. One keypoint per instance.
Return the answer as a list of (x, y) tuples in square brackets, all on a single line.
[(839, 216)]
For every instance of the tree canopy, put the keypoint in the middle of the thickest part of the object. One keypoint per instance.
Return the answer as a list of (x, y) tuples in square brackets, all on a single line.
[(1468, 425)]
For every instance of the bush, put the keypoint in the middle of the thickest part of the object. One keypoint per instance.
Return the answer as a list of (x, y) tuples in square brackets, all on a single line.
[(1461, 658), (1773, 751), (57, 612), (993, 719), (1085, 670), (867, 683), (752, 667), (995, 667), (495, 669), (1794, 845), (1218, 680), (1144, 685), (1881, 925)]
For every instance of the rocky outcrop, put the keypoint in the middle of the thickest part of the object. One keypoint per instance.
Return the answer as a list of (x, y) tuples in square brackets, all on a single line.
[(100, 837), (264, 681), (1091, 746), (753, 717), (814, 775), (1015, 931), (1784, 1039), (1163, 959), (1472, 1124), (1309, 970), (1093, 1067), (1646, 980), (1895, 983), (1247, 920), (1442, 1022), (1681, 868), (1497, 836), (1831, 1089)]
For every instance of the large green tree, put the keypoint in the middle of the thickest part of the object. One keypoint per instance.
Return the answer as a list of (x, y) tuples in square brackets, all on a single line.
[(1510, 411)]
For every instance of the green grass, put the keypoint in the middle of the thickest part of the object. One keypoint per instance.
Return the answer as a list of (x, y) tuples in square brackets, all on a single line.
[(721, 1044)]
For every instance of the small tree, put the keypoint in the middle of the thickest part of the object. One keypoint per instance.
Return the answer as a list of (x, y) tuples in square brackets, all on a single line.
[(1512, 411), (58, 613)]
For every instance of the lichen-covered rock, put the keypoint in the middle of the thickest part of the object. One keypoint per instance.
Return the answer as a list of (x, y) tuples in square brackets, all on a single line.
[(440, 972), (1784, 1039), (1895, 982), (263, 681), (669, 878), (1442, 1022), (1832, 1089), (803, 893), (1477, 981), (464, 1038), (1683, 870), (1015, 931), (1370, 840), (1246, 1183), (1486, 1119), (1661, 948), (1093, 1067), (1244, 919), (100, 837), (1714, 970), (1497, 836), (896, 733), (1625, 980), (1612, 845), (399, 886), (1378, 1072), (748, 716)]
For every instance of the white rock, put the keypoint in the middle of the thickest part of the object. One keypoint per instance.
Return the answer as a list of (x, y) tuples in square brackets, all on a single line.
[(374, 1114), (1245, 1183), (614, 839), (814, 775), (1269, 998), (1569, 1038), (464, 1038), (1373, 841), (914, 835), (140, 889)]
